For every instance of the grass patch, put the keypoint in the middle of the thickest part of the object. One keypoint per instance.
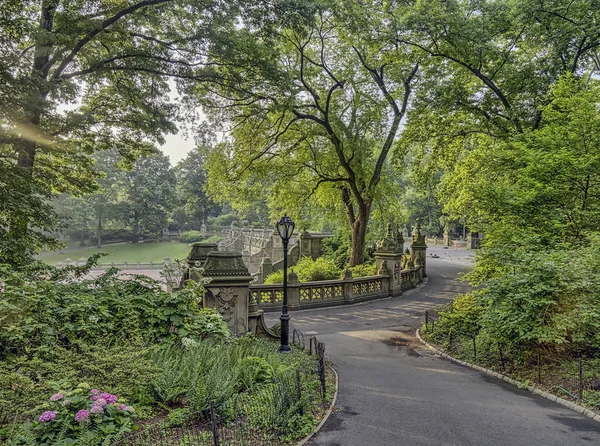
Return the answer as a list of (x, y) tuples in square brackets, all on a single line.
[(122, 252)]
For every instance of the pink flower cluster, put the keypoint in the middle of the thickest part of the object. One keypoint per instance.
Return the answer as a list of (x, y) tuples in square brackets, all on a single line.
[(82, 415), (104, 396), (100, 400), (47, 416), (56, 397)]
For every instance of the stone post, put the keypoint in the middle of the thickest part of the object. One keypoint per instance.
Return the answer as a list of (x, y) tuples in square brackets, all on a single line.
[(348, 286), (390, 254), (265, 269), (293, 291), (387, 286), (305, 244), (473, 240), (418, 250), (198, 256), (229, 289)]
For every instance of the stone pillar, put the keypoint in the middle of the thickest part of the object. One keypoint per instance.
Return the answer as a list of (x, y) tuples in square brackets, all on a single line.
[(228, 290), (473, 240), (197, 257), (418, 250), (390, 255), (305, 244), (348, 286), (265, 269), (386, 285)]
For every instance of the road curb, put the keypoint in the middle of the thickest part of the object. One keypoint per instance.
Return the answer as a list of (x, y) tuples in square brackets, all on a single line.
[(549, 396), (329, 411)]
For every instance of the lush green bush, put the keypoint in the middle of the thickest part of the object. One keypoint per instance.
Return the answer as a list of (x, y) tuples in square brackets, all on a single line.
[(214, 239), (124, 369), (118, 235), (191, 237), (309, 270), (364, 270), (337, 248), (78, 416), (274, 278), (44, 307), (532, 295)]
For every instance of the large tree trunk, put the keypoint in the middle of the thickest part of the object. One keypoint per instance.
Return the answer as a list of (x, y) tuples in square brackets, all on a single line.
[(358, 219), (359, 234)]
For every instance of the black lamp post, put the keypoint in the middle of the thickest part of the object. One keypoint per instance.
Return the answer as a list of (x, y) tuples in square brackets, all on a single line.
[(285, 228)]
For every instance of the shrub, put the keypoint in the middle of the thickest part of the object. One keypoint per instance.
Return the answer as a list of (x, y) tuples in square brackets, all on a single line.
[(308, 270), (364, 270), (337, 248), (214, 239), (190, 237), (45, 307), (89, 416), (274, 278), (123, 368)]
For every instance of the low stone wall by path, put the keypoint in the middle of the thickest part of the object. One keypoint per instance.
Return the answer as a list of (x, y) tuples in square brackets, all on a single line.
[(303, 295)]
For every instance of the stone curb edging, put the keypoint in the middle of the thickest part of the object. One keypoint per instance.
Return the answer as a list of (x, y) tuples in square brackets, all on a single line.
[(328, 413), (568, 404)]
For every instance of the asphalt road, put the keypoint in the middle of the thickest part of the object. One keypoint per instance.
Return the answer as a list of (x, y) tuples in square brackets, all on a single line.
[(393, 391)]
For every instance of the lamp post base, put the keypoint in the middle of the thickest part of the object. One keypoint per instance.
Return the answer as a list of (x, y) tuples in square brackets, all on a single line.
[(285, 349), (285, 332)]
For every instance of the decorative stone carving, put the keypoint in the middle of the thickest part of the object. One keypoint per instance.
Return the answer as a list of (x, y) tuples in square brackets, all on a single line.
[(388, 258), (418, 251), (388, 243), (228, 290)]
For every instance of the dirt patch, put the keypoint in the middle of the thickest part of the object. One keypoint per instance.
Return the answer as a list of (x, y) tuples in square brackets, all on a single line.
[(406, 341)]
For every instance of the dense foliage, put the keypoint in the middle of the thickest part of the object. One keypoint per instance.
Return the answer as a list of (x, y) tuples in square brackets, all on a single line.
[(44, 308), (308, 270), (538, 265), (66, 334)]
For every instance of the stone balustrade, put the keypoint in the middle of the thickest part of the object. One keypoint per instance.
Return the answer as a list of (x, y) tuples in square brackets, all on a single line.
[(349, 290)]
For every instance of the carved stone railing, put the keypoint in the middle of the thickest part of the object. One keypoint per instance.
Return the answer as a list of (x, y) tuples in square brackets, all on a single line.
[(302, 295)]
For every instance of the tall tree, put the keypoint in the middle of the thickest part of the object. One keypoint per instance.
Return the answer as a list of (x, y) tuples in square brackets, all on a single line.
[(148, 194), (487, 74), (191, 188), (109, 61), (322, 105)]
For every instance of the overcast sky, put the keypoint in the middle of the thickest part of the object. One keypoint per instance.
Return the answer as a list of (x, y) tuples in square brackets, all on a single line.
[(177, 147)]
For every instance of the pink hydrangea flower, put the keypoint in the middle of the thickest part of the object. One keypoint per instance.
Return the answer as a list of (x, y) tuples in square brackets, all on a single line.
[(94, 391), (100, 402), (56, 397), (47, 416), (82, 415), (122, 407), (110, 399), (96, 409)]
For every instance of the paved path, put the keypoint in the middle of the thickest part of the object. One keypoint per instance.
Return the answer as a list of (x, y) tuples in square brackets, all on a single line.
[(393, 392)]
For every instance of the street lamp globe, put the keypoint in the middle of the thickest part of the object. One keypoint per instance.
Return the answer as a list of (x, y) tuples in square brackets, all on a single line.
[(285, 228)]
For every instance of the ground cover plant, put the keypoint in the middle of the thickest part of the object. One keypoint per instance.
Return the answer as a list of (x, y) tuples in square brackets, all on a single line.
[(85, 361)]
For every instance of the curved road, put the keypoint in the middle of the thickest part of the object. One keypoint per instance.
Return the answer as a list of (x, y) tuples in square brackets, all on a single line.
[(394, 392)]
